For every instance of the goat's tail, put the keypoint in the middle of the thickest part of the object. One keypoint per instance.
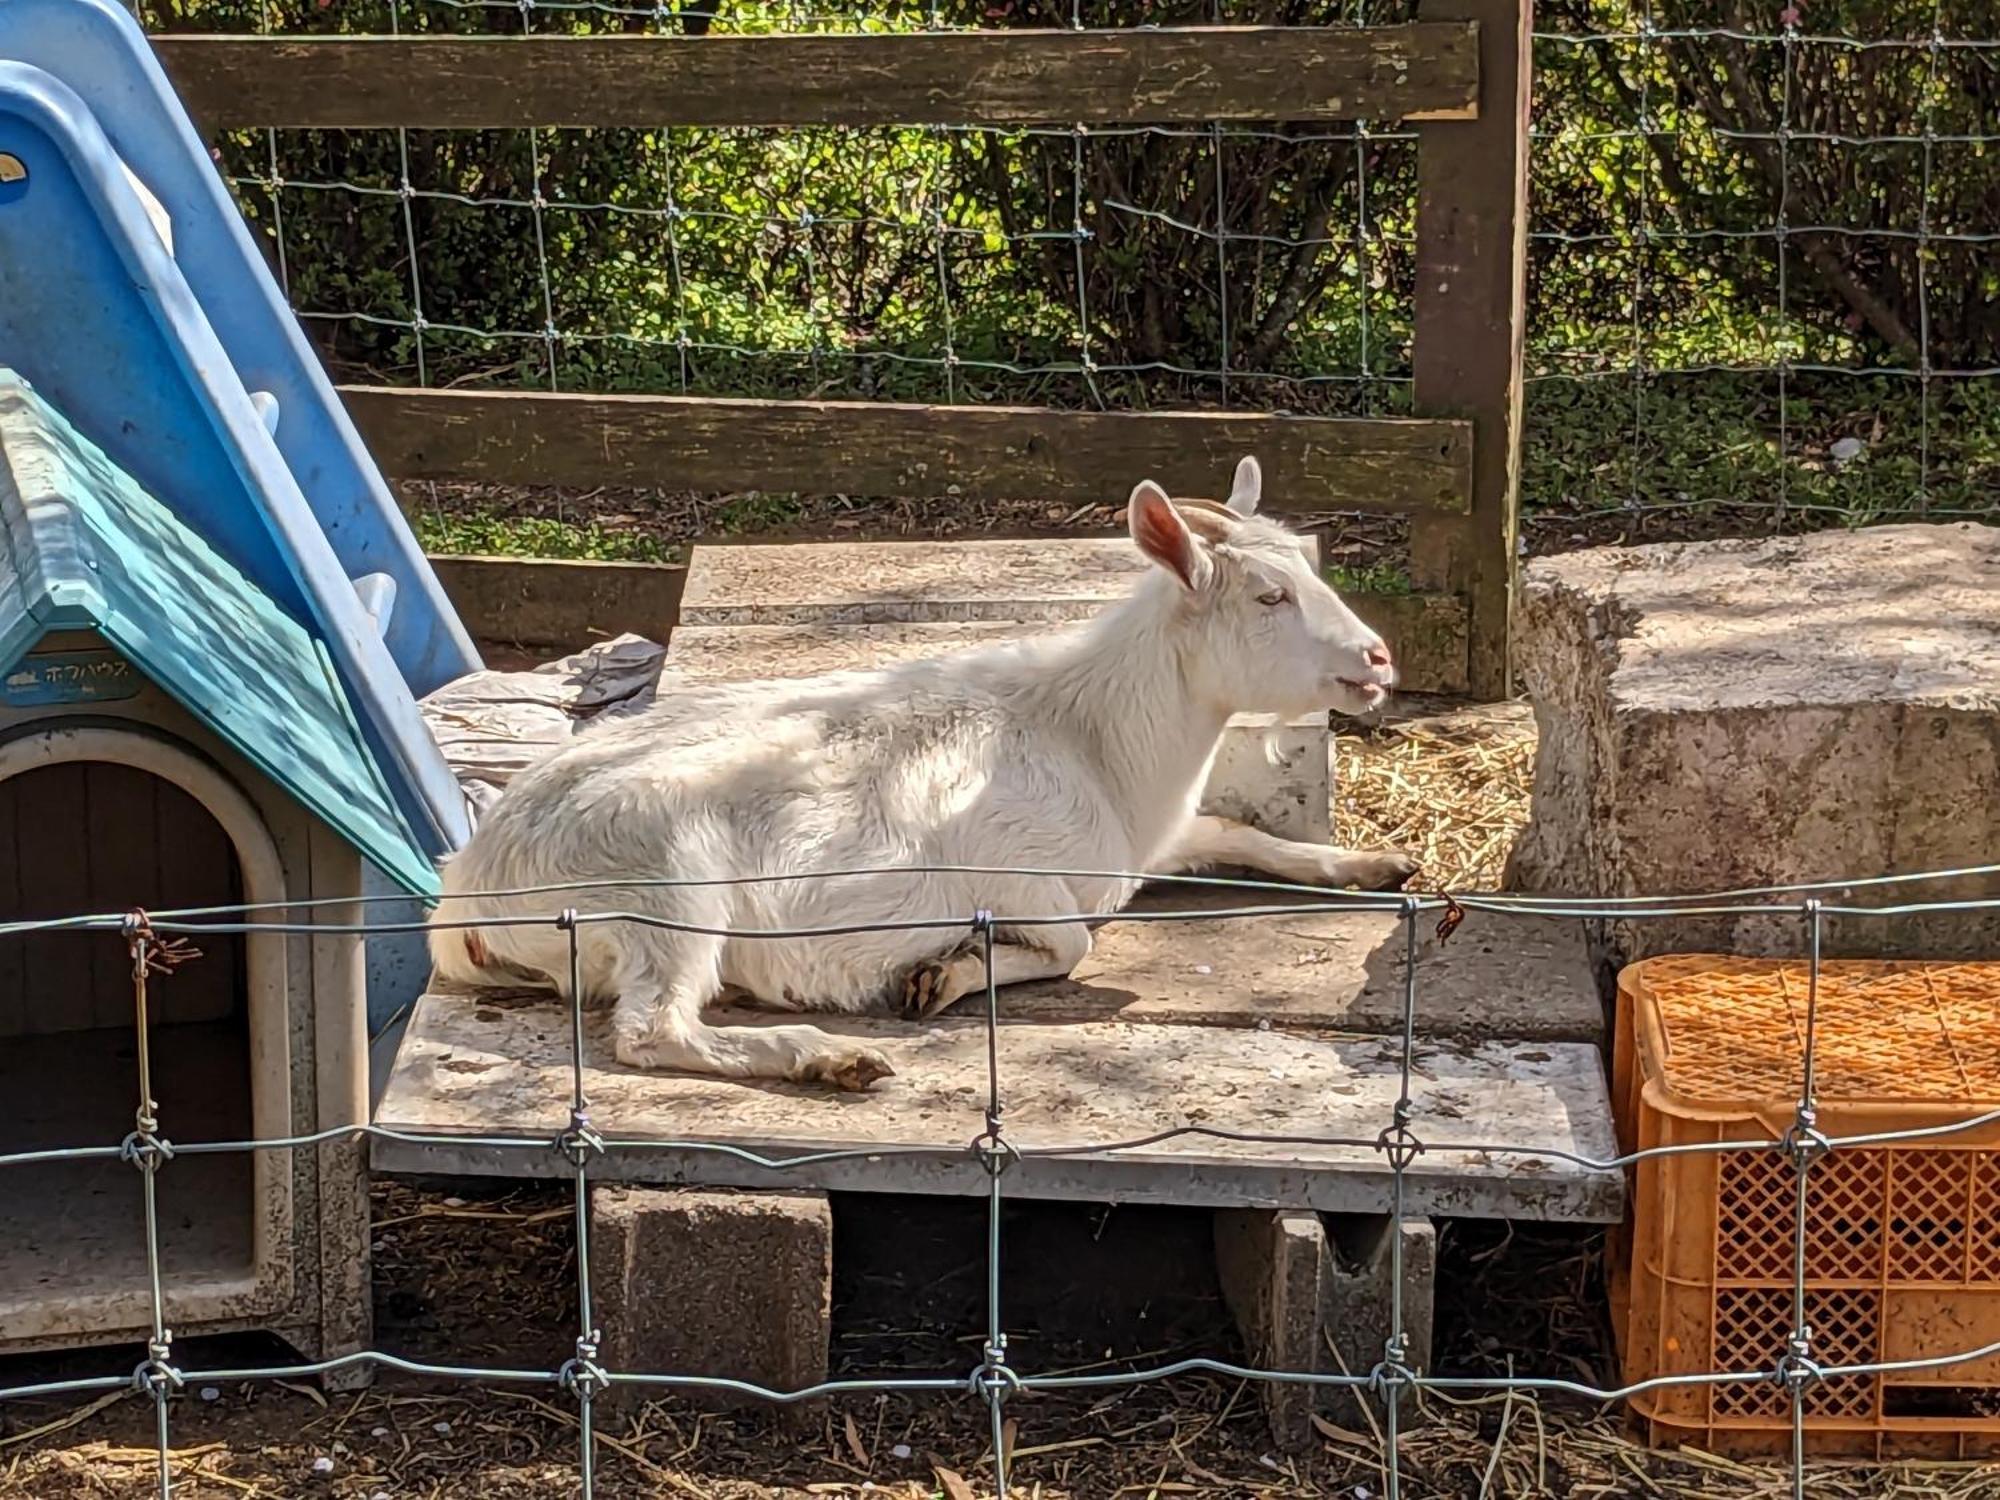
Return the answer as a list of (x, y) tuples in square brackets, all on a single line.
[(472, 956)]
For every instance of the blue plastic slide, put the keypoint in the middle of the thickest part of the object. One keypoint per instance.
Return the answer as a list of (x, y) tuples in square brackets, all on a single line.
[(133, 298)]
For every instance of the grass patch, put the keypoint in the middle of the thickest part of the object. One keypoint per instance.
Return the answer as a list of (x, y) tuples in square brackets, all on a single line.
[(490, 534), (1853, 449), (1369, 578)]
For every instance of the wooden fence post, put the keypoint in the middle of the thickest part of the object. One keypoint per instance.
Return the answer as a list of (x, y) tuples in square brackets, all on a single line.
[(1470, 315)]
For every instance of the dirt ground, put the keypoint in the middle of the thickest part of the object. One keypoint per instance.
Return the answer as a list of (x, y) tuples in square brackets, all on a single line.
[(488, 1277)]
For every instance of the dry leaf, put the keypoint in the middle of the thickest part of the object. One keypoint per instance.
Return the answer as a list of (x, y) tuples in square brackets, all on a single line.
[(953, 1484), (1335, 1434), (854, 1441), (81, 1414)]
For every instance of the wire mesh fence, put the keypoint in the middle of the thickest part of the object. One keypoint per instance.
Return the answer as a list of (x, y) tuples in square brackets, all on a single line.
[(1762, 286), (158, 942)]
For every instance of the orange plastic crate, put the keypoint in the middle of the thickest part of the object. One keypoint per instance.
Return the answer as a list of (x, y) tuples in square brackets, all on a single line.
[(1902, 1239)]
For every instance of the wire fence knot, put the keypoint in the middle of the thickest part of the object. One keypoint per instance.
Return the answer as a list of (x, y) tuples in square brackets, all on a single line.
[(152, 953), (995, 1152), (993, 1380), (1390, 1377), (1797, 1369), (1400, 1144), (156, 1373), (582, 1376), (145, 1150), (1803, 1141), (579, 1144)]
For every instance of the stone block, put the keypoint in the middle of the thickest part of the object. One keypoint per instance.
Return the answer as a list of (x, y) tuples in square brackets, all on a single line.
[(1271, 773), (1314, 1295), (711, 1282), (1727, 714), (1356, 1303), (1272, 1265)]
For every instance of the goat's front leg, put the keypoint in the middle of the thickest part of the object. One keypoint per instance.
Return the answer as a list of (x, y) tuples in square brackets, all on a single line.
[(1028, 953), (1211, 841)]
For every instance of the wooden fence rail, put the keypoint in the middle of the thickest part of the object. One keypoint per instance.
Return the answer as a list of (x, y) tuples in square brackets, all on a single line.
[(1460, 73), (887, 449), (1423, 71)]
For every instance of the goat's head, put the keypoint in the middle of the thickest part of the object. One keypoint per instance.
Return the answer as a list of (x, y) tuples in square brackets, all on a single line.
[(1266, 632)]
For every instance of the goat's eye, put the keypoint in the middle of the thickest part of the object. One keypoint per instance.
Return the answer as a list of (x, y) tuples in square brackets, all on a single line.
[(1274, 597)]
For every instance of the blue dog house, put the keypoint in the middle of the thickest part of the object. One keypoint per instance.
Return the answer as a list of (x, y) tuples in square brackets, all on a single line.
[(214, 628), (170, 738)]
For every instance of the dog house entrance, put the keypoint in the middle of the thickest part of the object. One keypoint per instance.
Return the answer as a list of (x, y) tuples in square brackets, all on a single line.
[(88, 836)]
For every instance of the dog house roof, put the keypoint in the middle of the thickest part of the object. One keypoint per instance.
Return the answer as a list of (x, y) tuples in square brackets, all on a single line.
[(83, 547)]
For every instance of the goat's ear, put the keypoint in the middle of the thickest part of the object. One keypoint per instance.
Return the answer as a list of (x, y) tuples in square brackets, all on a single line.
[(1248, 488), (1163, 536)]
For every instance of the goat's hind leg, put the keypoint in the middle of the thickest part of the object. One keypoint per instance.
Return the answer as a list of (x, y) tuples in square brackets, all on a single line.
[(665, 980), (932, 987)]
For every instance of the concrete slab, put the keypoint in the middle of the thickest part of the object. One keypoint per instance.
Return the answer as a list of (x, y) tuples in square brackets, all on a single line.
[(1507, 978), (856, 583), (1271, 773), (474, 1065)]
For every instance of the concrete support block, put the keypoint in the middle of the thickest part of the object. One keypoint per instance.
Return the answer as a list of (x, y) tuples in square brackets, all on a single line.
[(713, 1282), (1273, 1267), (1314, 1295), (1356, 1307), (1733, 714), (1274, 774)]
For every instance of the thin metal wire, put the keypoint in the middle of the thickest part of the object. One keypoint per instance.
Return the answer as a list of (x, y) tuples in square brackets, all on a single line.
[(1642, 247), (1364, 266), (1394, 1373), (147, 1150), (935, 206), (995, 1378), (579, 1144), (1924, 394), (406, 193), (549, 334), (1079, 234), (1783, 233), (275, 182), (994, 1381), (1317, 903), (1804, 1144)]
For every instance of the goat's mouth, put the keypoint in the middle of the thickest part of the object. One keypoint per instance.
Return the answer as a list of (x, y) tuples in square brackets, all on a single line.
[(1371, 694)]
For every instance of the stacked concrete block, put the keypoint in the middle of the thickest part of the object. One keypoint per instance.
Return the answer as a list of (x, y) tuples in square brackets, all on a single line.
[(1719, 715)]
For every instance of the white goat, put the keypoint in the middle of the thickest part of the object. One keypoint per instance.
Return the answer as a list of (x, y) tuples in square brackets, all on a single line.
[(1086, 750)]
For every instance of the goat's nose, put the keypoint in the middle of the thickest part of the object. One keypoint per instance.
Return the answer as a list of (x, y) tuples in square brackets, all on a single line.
[(1378, 656)]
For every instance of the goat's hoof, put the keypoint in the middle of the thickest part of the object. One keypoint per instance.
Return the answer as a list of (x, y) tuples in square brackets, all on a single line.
[(1379, 870), (854, 1072), (1385, 869), (926, 990)]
